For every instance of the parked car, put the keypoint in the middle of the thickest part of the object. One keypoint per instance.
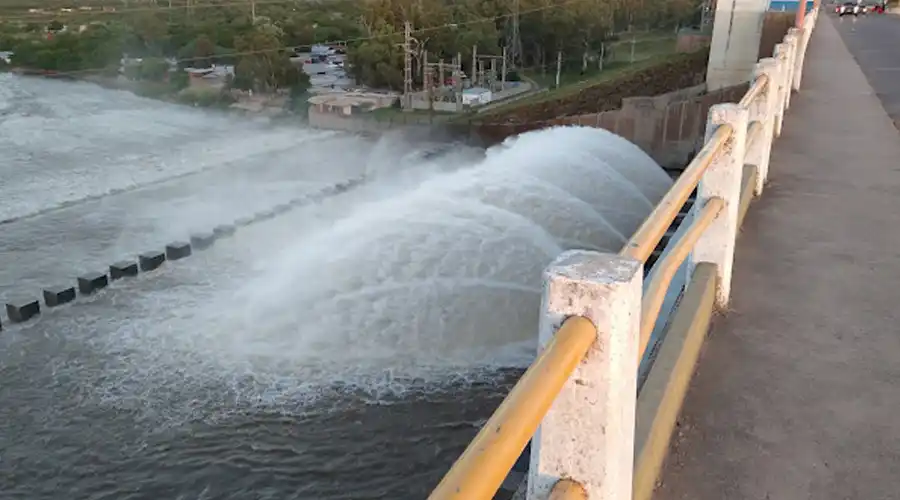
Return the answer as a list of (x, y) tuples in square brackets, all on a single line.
[(848, 9)]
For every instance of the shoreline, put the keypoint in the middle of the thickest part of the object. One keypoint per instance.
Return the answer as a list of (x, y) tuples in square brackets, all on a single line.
[(159, 91)]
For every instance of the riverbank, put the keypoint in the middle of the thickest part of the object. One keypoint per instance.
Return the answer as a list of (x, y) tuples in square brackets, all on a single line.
[(208, 97)]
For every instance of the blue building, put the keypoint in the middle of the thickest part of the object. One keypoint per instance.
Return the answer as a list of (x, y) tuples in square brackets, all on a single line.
[(788, 5)]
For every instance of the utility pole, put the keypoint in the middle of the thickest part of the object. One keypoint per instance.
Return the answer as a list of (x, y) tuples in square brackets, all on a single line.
[(407, 65), (514, 40), (503, 71), (473, 78), (558, 67), (457, 82), (633, 43)]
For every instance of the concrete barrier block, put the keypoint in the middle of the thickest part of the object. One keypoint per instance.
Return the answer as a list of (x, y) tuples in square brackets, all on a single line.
[(178, 250), (265, 215), (58, 296), (202, 241), (223, 230), (22, 310), (151, 260), (123, 269), (91, 282)]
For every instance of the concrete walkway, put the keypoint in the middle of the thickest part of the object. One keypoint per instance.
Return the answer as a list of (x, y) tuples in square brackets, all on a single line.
[(797, 392)]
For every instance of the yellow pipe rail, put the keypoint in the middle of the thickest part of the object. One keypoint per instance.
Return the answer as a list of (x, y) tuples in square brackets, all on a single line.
[(754, 133), (645, 239), (665, 269), (481, 469), (566, 489), (755, 90)]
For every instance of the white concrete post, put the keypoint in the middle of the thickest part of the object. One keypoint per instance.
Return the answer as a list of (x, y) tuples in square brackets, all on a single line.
[(588, 434), (796, 52), (764, 113), (723, 180), (804, 44), (781, 57), (790, 41)]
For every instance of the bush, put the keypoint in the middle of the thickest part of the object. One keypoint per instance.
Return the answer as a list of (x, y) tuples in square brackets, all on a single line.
[(204, 98)]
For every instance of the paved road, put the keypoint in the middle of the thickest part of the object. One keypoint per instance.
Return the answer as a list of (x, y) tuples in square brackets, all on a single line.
[(797, 392), (874, 40)]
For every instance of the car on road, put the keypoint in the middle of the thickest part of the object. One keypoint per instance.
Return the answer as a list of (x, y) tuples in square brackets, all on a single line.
[(877, 8), (849, 8)]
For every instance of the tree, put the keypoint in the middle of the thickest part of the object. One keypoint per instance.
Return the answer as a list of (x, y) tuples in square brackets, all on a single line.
[(150, 30), (378, 62), (263, 63)]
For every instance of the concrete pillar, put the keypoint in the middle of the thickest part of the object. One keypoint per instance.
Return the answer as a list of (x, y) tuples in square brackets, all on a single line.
[(763, 111), (781, 58), (723, 180), (798, 56), (792, 41), (58, 296), (202, 241), (91, 282), (20, 311), (223, 230), (588, 434), (805, 32), (178, 250), (734, 48), (123, 269), (151, 260)]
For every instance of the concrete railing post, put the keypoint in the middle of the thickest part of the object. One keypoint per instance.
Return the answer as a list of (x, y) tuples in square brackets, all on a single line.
[(781, 58), (764, 111), (588, 434), (723, 180), (795, 35), (805, 33)]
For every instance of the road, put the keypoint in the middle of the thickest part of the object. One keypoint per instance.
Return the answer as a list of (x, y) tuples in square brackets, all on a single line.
[(873, 42)]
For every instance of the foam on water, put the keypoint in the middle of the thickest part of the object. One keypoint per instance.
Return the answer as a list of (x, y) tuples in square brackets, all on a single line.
[(63, 141)]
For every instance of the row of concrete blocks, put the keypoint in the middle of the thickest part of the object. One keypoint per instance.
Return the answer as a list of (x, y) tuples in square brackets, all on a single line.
[(25, 310), (89, 283)]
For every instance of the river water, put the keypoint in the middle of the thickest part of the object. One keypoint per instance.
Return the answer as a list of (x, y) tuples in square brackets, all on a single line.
[(349, 348)]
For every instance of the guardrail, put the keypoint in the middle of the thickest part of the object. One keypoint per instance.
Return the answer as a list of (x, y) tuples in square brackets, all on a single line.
[(577, 402)]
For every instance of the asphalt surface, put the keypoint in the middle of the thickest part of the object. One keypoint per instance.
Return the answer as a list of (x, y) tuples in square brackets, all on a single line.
[(797, 390), (873, 40)]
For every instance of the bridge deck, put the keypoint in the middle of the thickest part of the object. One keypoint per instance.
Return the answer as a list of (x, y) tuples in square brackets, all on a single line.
[(797, 392)]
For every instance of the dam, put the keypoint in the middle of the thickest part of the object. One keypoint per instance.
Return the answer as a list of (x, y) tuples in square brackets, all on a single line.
[(348, 348)]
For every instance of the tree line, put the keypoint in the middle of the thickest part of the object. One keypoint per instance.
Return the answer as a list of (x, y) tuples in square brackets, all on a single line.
[(259, 39)]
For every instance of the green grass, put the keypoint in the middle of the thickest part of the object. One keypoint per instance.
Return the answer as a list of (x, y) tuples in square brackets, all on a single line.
[(650, 48), (397, 115), (574, 83)]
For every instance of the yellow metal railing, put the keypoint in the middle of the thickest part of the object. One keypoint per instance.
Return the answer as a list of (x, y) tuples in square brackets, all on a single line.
[(481, 469), (651, 232), (665, 269)]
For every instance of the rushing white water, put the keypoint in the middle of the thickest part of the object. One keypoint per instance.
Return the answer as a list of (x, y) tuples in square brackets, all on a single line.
[(443, 276), (363, 332), (434, 268)]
